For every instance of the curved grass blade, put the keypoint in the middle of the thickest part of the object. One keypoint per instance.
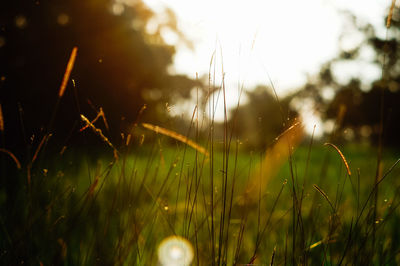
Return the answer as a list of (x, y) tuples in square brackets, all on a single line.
[(341, 156), (12, 157), (325, 196)]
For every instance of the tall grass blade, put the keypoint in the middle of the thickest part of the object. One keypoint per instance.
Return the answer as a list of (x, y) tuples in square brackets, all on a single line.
[(68, 71)]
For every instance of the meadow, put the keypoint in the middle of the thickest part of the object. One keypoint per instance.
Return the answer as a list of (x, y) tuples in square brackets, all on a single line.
[(102, 201), (298, 202)]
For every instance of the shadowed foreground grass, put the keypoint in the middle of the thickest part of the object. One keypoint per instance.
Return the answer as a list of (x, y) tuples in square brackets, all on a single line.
[(234, 206)]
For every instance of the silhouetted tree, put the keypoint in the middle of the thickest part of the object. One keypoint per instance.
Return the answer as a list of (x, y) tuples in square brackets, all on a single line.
[(261, 119), (363, 102), (120, 65)]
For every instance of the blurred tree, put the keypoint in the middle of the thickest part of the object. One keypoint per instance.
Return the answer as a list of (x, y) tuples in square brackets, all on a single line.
[(362, 101), (261, 119), (122, 64)]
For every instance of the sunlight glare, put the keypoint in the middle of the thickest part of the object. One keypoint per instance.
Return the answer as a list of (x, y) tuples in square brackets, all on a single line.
[(262, 41), (309, 117)]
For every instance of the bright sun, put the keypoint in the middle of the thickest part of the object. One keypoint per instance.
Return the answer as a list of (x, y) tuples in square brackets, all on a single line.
[(262, 41)]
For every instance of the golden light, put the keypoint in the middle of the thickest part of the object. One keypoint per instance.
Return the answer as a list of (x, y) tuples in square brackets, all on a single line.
[(258, 42)]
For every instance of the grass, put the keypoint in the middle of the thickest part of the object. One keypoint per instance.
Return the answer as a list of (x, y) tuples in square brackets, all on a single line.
[(295, 203), (291, 204), (117, 210)]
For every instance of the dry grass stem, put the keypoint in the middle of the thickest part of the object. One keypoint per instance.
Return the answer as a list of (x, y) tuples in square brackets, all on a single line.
[(67, 73), (341, 156), (44, 139), (324, 195), (177, 136), (287, 130), (324, 241), (128, 139), (98, 132), (64, 148), (389, 18), (99, 114), (12, 157)]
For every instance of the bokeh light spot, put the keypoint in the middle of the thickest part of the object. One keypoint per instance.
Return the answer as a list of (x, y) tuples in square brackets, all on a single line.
[(21, 22), (117, 9), (175, 250), (63, 19)]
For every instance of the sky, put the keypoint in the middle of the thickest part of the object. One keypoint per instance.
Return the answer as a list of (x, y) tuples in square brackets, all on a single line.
[(286, 39), (258, 41)]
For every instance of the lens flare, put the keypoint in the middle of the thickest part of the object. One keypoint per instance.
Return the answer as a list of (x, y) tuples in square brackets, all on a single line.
[(174, 251)]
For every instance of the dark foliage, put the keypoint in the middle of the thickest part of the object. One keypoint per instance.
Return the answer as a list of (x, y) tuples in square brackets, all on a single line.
[(262, 119), (118, 65)]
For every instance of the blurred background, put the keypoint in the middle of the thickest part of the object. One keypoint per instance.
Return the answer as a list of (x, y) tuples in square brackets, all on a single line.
[(230, 75), (319, 56)]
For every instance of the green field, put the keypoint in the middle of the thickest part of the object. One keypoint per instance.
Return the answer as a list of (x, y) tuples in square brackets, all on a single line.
[(232, 206)]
